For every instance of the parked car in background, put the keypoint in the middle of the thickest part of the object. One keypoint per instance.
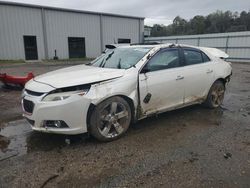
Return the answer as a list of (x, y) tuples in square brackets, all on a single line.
[(125, 85)]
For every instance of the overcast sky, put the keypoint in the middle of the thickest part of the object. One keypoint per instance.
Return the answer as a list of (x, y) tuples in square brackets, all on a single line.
[(155, 11)]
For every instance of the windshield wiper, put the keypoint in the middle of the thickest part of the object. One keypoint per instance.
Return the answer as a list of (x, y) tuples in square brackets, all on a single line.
[(109, 56), (119, 64), (101, 63), (88, 63)]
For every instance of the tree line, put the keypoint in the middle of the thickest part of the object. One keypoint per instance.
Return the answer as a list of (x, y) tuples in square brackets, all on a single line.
[(217, 22)]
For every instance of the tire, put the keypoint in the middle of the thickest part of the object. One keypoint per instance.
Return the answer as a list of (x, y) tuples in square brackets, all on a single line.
[(216, 95), (110, 119)]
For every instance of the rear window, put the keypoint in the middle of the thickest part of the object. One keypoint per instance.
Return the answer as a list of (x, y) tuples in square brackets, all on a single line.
[(193, 57)]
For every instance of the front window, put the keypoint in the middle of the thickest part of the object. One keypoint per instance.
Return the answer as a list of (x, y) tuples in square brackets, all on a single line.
[(121, 58), (166, 59)]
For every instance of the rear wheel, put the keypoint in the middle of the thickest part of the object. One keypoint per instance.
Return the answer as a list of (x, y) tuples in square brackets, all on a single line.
[(216, 95), (110, 119)]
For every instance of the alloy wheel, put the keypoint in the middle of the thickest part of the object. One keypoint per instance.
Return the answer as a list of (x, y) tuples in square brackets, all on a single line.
[(113, 118)]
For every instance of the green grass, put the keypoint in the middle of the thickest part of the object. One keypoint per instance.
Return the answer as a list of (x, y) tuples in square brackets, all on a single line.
[(72, 59), (11, 61)]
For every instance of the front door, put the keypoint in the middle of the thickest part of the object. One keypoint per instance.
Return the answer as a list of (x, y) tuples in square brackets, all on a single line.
[(30, 47), (161, 82)]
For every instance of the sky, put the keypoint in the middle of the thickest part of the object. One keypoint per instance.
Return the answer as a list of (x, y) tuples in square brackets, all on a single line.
[(155, 11)]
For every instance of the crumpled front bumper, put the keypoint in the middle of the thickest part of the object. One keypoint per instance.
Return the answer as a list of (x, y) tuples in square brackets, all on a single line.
[(73, 111)]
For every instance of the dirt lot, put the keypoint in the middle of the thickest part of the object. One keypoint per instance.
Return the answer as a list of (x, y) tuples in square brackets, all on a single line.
[(191, 147), (10, 99)]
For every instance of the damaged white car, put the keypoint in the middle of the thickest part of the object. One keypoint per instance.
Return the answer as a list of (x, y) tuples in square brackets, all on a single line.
[(124, 85)]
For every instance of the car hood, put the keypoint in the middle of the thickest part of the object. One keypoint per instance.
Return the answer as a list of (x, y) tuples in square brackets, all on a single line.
[(78, 75)]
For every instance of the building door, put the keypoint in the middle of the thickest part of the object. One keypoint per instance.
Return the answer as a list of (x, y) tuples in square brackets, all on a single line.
[(30, 47), (124, 41), (76, 47)]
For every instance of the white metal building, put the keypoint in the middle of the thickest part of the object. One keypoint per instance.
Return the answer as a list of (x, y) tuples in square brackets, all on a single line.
[(35, 32)]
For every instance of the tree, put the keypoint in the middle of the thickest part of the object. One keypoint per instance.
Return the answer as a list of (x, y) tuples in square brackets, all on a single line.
[(217, 22), (179, 25), (197, 25)]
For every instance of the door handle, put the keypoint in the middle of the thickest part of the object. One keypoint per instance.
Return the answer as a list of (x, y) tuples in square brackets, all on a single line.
[(209, 71), (180, 78)]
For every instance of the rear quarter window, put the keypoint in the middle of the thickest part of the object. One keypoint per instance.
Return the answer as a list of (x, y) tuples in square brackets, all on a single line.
[(205, 57)]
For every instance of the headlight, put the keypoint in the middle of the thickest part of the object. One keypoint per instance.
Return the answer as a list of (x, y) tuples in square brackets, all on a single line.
[(63, 95), (23, 93)]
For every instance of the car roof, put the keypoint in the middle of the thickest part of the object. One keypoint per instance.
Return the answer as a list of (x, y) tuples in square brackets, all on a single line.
[(208, 50), (160, 45)]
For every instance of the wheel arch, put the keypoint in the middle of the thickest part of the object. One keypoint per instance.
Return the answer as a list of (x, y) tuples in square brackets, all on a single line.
[(207, 102), (223, 80), (126, 98)]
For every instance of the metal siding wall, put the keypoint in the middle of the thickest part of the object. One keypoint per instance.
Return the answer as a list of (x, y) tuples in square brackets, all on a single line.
[(141, 30), (15, 22), (61, 25), (236, 44), (213, 42), (187, 41), (168, 41), (116, 27), (239, 53), (239, 41)]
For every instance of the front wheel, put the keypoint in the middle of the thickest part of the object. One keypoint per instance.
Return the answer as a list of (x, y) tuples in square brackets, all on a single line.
[(216, 95), (110, 119)]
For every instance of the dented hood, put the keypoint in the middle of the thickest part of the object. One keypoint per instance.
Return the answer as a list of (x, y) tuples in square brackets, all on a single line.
[(78, 75), (215, 52)]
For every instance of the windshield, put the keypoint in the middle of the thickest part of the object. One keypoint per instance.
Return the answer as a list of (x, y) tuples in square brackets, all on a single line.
[(121, 58)]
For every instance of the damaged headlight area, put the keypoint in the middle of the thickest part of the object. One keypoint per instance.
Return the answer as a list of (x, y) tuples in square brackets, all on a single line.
[(64, 93)]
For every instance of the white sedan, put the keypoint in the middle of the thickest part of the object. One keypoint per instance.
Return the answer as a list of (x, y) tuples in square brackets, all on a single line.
[(124, 85)]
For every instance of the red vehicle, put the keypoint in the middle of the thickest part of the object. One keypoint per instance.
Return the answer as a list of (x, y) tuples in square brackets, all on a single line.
[(8, 79)]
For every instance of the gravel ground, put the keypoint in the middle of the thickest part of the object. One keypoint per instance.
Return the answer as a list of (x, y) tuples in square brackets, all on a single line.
[(190, 147), (10, 97)]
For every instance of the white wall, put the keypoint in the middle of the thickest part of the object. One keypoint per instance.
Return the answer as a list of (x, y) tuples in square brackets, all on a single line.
[(14, 23), (61, 25), (116, 27)]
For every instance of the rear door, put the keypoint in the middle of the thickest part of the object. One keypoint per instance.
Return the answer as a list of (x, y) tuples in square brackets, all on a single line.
[(198, 73), (161, 82)]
